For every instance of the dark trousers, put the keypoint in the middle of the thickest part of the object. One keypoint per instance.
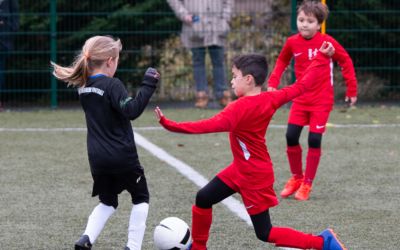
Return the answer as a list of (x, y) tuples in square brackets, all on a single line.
[(199, 69)]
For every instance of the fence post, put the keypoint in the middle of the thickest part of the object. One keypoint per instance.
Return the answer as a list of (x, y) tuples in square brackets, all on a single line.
[(53, 50), (293, 30), (323, 26)]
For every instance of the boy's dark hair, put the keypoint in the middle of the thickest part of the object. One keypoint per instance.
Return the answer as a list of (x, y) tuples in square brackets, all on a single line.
[(316, 8), (252, 64)]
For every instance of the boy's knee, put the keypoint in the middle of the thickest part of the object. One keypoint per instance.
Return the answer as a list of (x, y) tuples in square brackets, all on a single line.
[(293, 135), (202, 199), (291, 140), (263, 234), (314, 140)]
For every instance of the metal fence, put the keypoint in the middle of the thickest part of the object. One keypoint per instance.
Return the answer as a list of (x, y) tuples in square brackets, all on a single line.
[(369, 30), (55, 30)]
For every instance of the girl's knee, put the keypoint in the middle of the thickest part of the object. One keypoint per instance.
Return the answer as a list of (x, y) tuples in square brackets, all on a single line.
[(109, 200)]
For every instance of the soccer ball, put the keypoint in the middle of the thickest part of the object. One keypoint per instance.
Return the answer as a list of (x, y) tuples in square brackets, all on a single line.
[(172, 233)]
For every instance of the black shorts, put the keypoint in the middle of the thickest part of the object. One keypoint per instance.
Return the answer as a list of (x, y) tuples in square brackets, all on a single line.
[(113, 184)]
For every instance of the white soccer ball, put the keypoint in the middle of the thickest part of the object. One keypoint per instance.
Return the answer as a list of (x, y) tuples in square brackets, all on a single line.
[(172, 233)]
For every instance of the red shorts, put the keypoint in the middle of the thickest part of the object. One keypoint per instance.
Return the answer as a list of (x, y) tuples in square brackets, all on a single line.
[(315, 119), (254, 200)]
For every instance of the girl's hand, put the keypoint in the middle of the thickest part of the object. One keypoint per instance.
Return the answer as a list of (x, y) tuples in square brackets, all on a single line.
[(327, 49), (152, 72), (158, 113)]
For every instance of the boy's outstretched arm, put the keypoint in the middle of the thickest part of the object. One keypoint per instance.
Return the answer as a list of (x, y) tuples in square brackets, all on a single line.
[(221, 122), (317, 69)]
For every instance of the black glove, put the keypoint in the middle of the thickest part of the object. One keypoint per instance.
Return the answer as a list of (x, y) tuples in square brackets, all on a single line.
[(151, 77)]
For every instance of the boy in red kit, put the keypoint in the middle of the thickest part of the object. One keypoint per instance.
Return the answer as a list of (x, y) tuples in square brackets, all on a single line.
[(313, 107), (251, 172)]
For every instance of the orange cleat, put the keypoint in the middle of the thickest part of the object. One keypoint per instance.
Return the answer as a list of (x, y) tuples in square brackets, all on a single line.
[(291, 186), (303, 193)]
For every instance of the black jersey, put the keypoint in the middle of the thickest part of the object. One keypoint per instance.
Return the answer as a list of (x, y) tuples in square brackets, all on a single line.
[(108, 111)]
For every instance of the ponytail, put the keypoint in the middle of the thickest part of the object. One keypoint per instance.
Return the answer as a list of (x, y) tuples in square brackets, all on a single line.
[(96, 51)]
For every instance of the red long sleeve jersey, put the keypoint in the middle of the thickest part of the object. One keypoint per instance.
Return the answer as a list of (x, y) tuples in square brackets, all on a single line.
[(320, 96), (246, 120)]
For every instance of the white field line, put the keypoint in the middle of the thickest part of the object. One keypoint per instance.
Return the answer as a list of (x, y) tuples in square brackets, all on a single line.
[(329, 125)]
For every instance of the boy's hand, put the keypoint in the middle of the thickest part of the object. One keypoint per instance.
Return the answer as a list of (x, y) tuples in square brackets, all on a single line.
[(327, 49), (351, 100), (159, 113), (270, 89)]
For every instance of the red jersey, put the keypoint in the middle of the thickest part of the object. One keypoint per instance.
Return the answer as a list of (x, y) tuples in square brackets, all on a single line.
[(321, 96), (246, 120)]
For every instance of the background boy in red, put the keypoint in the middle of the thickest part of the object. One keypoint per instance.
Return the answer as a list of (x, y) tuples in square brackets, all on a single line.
[(313, 107), (251, 173)]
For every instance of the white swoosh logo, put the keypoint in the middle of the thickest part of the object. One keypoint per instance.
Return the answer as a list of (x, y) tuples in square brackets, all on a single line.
[(319, 127), (297, 54), (248, 207)]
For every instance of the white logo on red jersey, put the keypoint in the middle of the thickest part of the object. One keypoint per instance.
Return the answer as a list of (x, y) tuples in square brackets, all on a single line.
[(297, 54), (244, 149), (312, 53)]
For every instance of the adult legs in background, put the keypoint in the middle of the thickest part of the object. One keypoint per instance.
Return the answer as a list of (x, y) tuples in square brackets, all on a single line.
[(219, 75), (200, 76)]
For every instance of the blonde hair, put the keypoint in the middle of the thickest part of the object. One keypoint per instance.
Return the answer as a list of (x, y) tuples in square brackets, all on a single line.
[(94, 53)]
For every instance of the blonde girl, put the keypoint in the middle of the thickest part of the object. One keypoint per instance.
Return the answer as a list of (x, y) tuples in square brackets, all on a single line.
[(112, 153)]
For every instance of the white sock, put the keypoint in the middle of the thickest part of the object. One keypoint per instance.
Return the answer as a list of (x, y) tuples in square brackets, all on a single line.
[(137, 225), (97, 220)]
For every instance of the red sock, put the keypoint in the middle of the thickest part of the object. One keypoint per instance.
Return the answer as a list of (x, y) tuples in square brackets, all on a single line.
[(313, 157), (288, 237), (201, 223), (295, 161)]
